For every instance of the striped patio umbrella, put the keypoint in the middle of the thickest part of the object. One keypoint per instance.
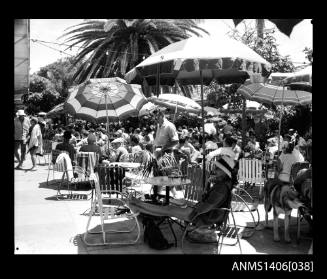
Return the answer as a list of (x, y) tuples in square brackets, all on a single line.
[(301, 80), (277, 95), (272, 94), (104, 99), (304, 75), (177, 103)]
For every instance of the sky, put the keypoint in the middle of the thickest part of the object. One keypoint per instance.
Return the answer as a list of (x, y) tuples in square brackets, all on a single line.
[(50, 30)]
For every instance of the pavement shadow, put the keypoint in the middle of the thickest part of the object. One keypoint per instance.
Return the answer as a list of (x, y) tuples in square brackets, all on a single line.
[(140, 247), (262, 238), (51, 184)]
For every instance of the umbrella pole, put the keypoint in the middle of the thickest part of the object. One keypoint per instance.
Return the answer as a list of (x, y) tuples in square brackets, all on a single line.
[(105, 97), (203, 142), (243, 122), (280, 121)]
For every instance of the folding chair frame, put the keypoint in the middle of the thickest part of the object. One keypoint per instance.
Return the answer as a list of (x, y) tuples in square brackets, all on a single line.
[(103, 213)]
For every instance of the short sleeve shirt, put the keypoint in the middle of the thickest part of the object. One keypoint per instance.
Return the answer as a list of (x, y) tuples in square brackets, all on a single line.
[(287, 161), (166, 133)]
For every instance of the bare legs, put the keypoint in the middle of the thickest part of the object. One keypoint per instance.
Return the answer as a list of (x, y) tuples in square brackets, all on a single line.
[(21, 158), (33, 157)]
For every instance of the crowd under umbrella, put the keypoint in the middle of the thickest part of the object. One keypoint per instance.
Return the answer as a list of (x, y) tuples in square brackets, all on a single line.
[(277, 95), (103, 99), (200, 61)]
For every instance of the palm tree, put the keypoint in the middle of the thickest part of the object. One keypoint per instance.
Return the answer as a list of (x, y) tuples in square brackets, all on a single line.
[(114, 46)]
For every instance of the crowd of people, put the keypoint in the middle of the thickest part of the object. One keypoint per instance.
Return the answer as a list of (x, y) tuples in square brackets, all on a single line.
[(159, 135)]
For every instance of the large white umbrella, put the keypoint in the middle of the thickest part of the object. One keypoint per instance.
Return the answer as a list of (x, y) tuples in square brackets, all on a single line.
[(199, 61), (195, 60)]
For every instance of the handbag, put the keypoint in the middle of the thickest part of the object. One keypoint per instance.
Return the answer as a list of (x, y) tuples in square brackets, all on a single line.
[(153, 235)]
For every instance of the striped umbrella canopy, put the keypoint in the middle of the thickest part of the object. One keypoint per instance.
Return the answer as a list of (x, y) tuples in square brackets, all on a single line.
[(278, 95), (176, 103), (103, 99), (272, 94)]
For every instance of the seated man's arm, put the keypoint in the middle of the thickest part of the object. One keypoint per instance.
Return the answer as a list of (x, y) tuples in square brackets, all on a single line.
[(213, 154), (215, 198)]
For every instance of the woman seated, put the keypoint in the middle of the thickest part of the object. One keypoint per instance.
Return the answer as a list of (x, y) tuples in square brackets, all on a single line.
[(92, 147), (187, 148), (135, 146), (284, 165), (203, 213)]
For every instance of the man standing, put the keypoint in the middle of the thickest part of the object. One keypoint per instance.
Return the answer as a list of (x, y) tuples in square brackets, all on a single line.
[(166, 135), (22, 125), (165, 140)]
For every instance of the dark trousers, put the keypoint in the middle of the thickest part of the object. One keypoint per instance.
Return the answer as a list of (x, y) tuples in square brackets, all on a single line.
[(22, 145)]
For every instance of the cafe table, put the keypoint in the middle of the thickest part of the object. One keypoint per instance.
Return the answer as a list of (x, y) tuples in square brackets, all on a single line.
[(167, 181), (126, 165)]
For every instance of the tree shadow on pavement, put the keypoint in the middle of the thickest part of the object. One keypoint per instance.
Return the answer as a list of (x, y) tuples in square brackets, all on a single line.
[(262, 238)]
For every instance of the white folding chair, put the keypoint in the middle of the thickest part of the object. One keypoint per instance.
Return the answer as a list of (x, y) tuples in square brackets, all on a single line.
[(115, 209), (52, 161), (248, 192), (250, 173), (47, 148)]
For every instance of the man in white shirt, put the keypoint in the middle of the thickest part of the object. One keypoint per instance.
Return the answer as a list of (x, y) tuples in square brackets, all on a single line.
[(166, 135)]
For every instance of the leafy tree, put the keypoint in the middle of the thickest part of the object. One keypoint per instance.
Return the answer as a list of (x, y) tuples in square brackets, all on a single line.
[(60, 74), (308, 54), (265, 47), (42, 97), (114, 46)]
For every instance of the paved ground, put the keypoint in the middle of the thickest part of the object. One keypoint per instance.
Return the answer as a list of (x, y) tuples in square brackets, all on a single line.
[(44, 225)]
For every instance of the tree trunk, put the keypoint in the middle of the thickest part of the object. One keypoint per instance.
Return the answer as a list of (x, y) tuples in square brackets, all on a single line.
[(260, 26)]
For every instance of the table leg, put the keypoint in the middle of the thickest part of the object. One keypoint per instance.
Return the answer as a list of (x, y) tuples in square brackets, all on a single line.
[(167, 196)]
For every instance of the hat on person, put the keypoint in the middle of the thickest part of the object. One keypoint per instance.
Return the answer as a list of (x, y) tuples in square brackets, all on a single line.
[(225, 163), (118, 140), (21, 112), (119, 132), (91, 138)]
